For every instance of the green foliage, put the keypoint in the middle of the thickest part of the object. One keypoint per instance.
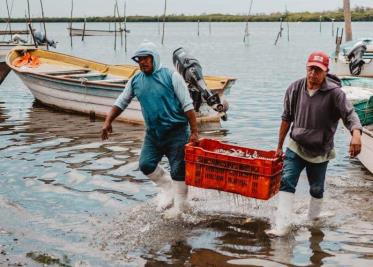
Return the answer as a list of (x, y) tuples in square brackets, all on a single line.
[(358, 14)]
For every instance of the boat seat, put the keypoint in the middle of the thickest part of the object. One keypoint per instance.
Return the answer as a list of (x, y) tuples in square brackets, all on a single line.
[(86, 75), (111, 81), (65, 72)]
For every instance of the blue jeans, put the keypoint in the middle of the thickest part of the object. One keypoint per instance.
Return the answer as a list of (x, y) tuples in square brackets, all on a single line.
[(171, 146), (293, 166)]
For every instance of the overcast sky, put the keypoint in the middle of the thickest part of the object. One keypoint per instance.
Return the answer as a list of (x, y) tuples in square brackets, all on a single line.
[(61, 8)]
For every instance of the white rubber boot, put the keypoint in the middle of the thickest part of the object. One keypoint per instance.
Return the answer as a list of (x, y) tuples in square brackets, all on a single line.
[(283, 215), (314, 208), (180, 190), (163, 179)]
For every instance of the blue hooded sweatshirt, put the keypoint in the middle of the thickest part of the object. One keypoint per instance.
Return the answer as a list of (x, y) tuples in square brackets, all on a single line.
[(163, 95)]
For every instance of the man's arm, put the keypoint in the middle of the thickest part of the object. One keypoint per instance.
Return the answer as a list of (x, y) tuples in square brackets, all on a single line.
[(107, 129), (120, 104), (284, 129), (191, 115), (351, 122)]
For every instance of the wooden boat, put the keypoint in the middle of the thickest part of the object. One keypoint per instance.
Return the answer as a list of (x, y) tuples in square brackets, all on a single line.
[(8, 32), (354, 58), (79, 32), (89, 87)]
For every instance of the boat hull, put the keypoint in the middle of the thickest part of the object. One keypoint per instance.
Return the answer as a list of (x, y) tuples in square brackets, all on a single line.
[(4, 71), (366, 155), (77, 97)]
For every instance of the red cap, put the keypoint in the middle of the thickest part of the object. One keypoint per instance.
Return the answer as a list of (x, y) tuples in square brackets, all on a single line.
[(319, 59)]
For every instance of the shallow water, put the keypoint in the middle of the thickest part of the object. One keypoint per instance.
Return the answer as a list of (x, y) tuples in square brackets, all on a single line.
[(69, 199)]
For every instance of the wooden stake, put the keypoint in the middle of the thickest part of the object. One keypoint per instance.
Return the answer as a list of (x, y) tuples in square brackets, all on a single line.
[(32, 34), (333, 27), (45, 28), (288, 28), (71, 23), (320, 23), (279, 34), (198, 28), (84, 25), (210, 25), (29, 11), (347, 16), (10, 28), (246, 34), (164, 19), (125, 26), (115, 28)]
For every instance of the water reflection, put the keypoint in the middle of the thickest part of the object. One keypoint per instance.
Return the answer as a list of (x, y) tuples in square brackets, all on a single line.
[(316, 238)]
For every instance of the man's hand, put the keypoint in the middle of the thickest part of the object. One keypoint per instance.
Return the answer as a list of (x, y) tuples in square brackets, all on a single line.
[(355, 144), (194, 138), (279, 153), (107, 129)]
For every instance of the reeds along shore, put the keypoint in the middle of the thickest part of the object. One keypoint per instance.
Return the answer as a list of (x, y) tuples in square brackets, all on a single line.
[(358, 14)]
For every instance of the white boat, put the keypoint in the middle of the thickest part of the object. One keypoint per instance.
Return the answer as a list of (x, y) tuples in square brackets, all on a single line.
[(79, 85), (359, 90), (86, 32), (366, 155), (354, 58)]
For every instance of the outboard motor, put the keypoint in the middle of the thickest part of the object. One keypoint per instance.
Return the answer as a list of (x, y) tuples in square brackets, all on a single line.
[(355, 56), (191, 71)]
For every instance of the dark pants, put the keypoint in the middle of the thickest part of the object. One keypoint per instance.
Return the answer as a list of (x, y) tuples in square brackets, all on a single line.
[(171, 146), (293, 166)]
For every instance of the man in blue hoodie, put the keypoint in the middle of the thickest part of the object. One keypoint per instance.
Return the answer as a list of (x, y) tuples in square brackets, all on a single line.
[(167, 109), (313, 107)]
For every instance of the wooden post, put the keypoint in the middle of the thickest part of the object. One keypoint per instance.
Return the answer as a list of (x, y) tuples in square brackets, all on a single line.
[(125, 26), (210, 25), (29, 11), (32, 35), (10, 28), (288, 28), (115, 28), (320, 23), (279, 34), (45, 28), (333, 27), (120, 28), (246, 34), (198, 28), (159, 26), (347, 17), (84, 25), (164, 20), (71, 23)]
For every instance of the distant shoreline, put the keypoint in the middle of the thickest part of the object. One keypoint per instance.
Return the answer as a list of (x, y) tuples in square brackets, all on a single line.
[(358, 14)]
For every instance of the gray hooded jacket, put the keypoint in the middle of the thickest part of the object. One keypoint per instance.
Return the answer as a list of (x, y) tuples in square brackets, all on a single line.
[(315, 118)]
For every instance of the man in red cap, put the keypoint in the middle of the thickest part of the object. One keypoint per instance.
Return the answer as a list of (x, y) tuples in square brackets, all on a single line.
[(312, 108)]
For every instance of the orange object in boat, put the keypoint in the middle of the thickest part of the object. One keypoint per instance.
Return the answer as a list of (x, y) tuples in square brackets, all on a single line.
[(256, 177), (34, 62), (21, 61), (27, 59)]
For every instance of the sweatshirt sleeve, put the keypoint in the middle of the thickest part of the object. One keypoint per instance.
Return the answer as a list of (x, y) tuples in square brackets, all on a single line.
[(287, 114), (182, 92), (125, 97), (347, 112)]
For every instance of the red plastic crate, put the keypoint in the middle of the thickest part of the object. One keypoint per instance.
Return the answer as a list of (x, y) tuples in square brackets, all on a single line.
[(257, 178)]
